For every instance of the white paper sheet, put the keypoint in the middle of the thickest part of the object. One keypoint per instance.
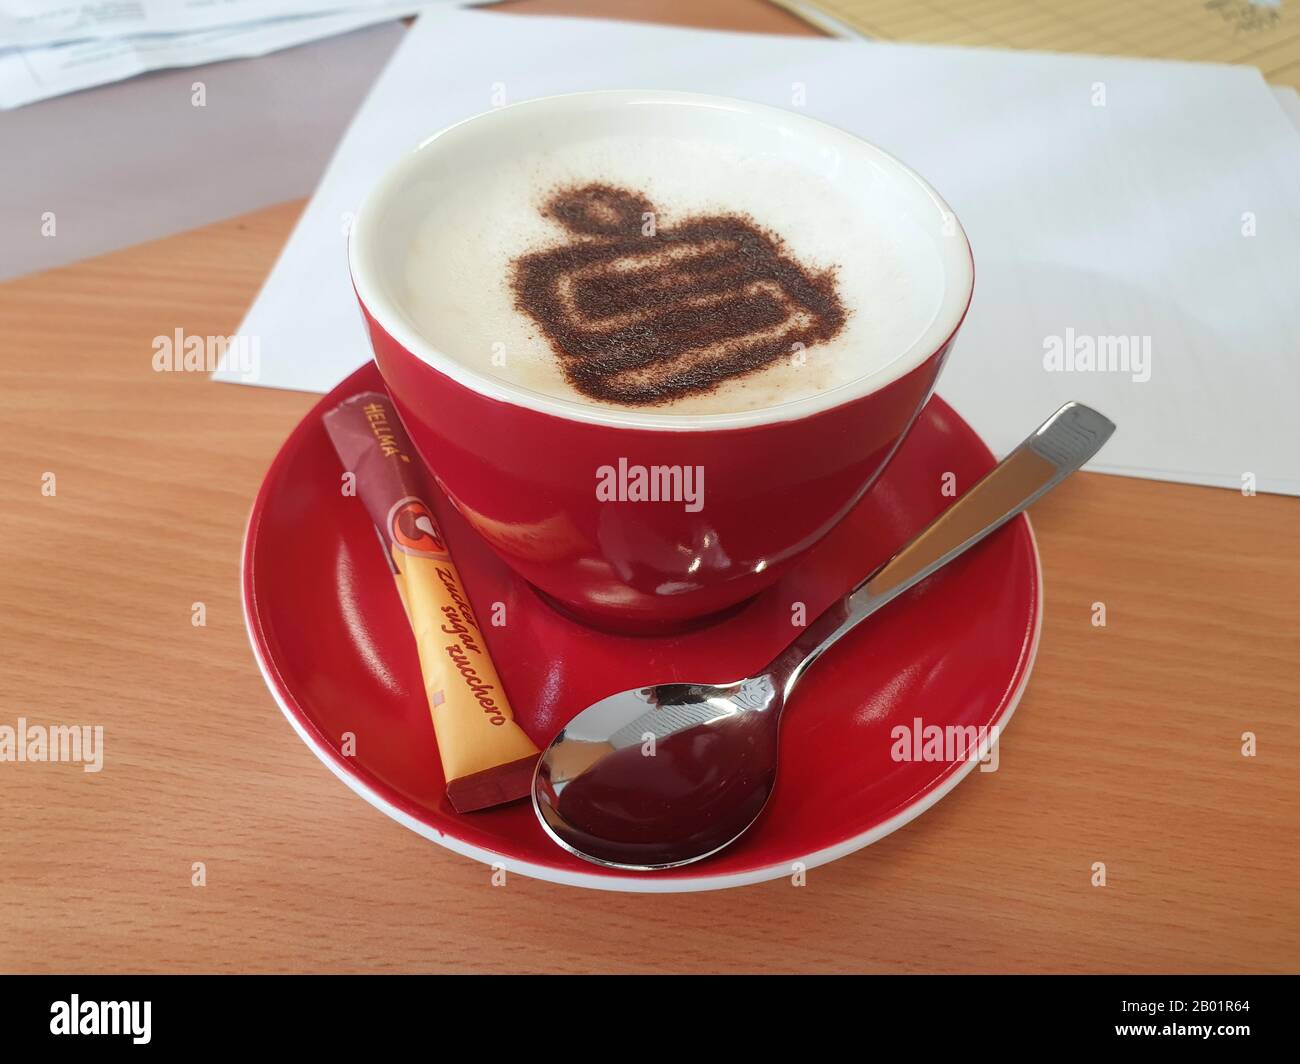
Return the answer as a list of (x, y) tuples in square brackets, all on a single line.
[(1103, 198), (32, 73), (32, 22), (1290, 101)]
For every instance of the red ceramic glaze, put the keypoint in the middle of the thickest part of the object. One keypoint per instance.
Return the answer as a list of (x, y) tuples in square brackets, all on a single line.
[(332, 640), (526, 481)]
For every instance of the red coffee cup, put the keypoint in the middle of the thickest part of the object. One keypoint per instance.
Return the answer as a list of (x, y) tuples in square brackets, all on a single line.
[(638, 519)]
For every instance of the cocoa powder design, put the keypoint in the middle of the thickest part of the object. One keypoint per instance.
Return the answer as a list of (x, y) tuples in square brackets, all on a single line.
[(640, 318)]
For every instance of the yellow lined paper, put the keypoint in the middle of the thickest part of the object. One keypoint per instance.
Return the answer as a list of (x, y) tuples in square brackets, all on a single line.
[(1260, 33)]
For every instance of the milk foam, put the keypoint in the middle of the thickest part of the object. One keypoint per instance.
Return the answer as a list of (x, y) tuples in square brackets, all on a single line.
[(456, 285)]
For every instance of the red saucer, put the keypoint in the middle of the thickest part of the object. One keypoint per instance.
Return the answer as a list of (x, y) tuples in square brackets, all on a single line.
[(332, 641)]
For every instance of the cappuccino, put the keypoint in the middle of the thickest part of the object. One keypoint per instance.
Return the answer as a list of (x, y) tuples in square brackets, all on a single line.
[(670, 274)]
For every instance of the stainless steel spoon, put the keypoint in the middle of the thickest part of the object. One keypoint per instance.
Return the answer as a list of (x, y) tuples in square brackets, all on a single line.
[(662, 776)]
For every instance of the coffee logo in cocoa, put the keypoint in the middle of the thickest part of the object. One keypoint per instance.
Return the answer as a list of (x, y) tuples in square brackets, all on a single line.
[(641, 319)]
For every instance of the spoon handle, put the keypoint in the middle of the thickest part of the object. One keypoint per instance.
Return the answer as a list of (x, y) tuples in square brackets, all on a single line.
[(1062, 444)]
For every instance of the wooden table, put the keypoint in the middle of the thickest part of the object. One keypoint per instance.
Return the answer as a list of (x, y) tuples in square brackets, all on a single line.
[(1126, 749)]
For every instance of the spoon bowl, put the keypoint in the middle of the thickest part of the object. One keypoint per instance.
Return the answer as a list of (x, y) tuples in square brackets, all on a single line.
[(661, 776)]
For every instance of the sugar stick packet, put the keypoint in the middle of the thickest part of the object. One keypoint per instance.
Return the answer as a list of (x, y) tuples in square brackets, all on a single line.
[(486, 757)]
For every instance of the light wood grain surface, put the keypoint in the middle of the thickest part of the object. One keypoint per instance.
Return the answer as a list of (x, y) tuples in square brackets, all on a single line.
[(1126, 749)]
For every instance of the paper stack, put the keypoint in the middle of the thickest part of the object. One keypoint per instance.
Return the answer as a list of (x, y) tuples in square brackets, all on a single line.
[(47, 50)]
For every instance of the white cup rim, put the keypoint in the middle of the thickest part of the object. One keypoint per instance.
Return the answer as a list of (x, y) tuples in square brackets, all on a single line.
[(958, 269)]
